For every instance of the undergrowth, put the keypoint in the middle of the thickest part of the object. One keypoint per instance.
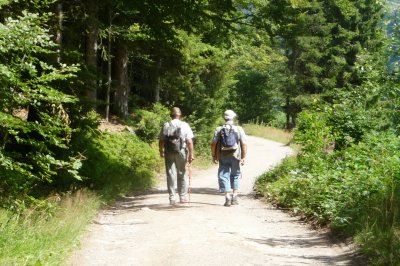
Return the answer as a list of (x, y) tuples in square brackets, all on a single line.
[(118, 163), (37, 237)]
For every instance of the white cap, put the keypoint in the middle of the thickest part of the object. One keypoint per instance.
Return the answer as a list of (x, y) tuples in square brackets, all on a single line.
[(229, 115)]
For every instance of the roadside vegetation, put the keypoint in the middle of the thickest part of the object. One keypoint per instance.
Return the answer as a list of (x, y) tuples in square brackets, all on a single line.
[(268, 132), (354, 190), (47, 233), (43, 231)]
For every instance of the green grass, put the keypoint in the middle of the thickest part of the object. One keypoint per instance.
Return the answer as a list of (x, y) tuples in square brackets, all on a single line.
[(270, 133), (43, 237)]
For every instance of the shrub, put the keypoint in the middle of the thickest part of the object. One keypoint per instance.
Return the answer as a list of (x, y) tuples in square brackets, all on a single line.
[(313, 132), (279, 120), (148, 123), (118, 163)]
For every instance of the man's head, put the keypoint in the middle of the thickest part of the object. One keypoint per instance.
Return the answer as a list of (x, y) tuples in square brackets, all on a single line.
[(229, 115), (175, 112)]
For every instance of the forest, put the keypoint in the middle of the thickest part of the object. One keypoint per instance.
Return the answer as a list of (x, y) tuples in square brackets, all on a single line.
[(326, 70)]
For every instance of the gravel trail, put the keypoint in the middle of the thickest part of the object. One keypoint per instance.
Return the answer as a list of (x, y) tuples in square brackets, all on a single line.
[(145, 230)]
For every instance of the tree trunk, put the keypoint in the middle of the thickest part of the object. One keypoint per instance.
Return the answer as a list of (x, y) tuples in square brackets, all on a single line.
[(121, 78), (109, 68), (59, 16), (91, 49), (157, 87), (287, 111)]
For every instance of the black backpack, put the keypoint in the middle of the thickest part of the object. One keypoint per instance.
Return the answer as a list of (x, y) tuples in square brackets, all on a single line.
[(173, 138), (228, 138)]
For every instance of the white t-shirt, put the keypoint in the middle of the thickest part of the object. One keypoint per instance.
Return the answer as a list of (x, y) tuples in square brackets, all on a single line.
[(186, 131)]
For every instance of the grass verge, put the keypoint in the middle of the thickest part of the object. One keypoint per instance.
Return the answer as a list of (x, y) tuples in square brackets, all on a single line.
[(271, 133), (38, 237)]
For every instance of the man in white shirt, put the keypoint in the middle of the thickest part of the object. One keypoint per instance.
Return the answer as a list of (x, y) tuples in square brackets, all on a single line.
[(176, 146)]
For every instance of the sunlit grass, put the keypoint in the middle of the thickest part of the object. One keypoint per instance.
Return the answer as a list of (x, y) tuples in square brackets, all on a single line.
[(43, 237), (270, 133)]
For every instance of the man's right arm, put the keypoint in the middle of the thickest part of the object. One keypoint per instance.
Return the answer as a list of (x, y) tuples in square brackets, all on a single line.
[(161, 147), (161, 142), (214, 152), (214, 147)]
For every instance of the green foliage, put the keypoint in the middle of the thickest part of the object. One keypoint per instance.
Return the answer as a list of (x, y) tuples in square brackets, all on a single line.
[(200, 87), (392, 93), (257, 65), (313, 132), (204, 131), (351, 121), (201, 82), (347, 172), (364, 107), (323, 42), (246, 103), (279, 120), (149, 122), (118, 163), (34, 126)]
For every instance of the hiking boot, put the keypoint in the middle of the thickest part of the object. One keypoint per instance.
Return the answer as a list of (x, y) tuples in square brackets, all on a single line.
[(235, 200), (172, 202), (228, 202), (183, 200)]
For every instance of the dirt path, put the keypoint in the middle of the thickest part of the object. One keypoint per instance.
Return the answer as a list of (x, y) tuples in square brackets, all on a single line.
[(145, 230)]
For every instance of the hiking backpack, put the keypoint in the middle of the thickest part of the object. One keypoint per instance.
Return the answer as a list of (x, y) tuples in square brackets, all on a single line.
[(229, 138), (173, 138)]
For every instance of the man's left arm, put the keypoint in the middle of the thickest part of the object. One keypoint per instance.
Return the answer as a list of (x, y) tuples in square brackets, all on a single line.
[(189, 143), (243, 152), (243, 146)]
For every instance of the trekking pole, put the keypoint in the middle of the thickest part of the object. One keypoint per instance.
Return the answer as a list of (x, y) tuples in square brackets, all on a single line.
[(190, 180)]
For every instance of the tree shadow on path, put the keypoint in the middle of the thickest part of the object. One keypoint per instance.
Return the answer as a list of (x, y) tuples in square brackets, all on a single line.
[(351, 257), (138, 202)]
